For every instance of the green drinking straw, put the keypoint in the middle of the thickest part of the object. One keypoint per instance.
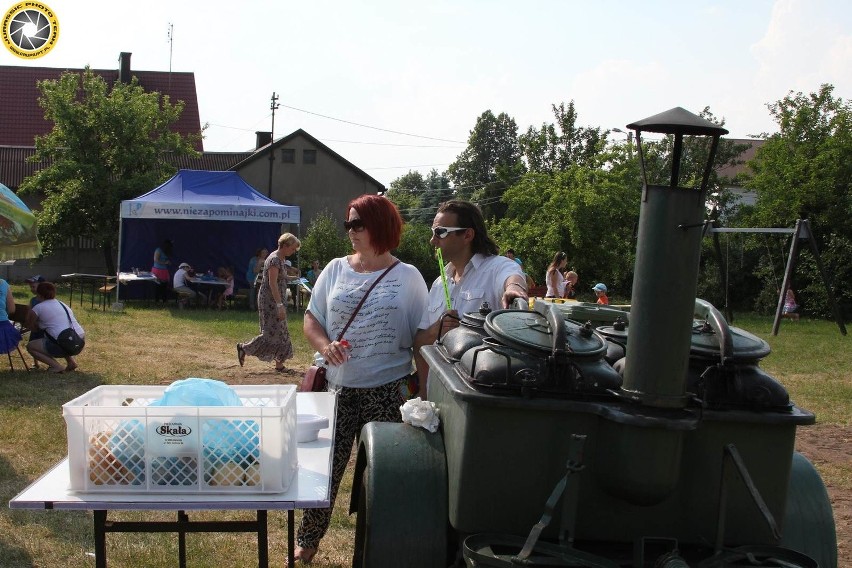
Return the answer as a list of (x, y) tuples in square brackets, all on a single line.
[(444, 279)]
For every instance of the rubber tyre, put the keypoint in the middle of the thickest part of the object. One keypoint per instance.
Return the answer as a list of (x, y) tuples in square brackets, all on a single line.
[(808, 520), (400, 495)]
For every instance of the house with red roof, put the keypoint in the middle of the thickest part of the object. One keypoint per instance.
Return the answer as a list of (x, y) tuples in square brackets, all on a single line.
[(304, 172)]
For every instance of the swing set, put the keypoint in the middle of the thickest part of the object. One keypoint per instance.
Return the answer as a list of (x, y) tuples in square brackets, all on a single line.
[(801, 232)]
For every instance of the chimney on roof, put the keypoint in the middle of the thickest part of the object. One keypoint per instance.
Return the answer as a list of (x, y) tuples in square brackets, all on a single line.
[(263, 138), (124, 67)]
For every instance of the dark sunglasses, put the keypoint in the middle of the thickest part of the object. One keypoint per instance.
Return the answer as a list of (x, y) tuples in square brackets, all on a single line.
[(354, 225)]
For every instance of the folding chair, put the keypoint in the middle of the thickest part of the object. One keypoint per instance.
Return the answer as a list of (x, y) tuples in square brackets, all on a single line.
[(19, 319)]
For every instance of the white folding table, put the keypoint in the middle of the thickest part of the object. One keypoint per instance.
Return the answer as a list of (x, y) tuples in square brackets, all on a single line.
[(308, 490)]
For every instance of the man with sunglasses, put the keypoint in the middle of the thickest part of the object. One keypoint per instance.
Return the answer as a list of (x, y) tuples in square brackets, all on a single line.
[(476, 273)]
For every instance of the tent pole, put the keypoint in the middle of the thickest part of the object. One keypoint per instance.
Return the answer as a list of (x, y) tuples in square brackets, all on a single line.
[(118, 260)]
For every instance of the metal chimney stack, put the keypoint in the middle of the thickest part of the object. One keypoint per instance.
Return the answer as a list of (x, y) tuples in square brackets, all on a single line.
[(671, 219), (262, 139), (124, 74)]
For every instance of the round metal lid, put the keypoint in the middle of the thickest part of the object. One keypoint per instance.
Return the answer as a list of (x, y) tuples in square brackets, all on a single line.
[(529, 331), (473, 319), (613, 332), (747, 347)]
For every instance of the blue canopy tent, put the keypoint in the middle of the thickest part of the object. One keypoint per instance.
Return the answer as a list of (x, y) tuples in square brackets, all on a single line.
[(213, 218)]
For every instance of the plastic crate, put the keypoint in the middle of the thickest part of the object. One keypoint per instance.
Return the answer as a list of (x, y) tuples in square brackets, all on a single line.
[(117, 442)]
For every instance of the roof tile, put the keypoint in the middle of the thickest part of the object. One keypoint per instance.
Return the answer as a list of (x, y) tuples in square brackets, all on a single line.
[(22, 119)]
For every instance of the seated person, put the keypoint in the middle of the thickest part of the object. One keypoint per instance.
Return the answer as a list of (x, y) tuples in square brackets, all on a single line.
[(291, 271), (226, 274), (313, 273), (791, 307), (181, 288), (10, 336), (600, 291)]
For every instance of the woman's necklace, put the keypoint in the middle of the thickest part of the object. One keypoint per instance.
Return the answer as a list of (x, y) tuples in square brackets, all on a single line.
[(379, 261)]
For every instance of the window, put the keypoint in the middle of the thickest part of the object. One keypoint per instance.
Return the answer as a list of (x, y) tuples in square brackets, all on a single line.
[(288, 156), (309, 156)]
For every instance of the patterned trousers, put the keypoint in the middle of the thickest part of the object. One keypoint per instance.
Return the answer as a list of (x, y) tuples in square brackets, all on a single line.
[(355, 408)]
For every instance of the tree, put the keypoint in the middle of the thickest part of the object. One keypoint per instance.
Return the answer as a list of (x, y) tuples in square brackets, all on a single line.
[(805, 172), (554, 148), (406, 192), (590, 213), (417, 197), (437, 191), (107, 145), (490, 163), (323, 241), (414, 248)]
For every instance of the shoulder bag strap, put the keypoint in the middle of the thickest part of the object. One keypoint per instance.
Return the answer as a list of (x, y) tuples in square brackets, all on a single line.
[(361, 303), (70, 323)]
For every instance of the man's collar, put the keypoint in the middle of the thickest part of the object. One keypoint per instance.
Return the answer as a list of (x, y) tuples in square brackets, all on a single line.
[(475, 261)]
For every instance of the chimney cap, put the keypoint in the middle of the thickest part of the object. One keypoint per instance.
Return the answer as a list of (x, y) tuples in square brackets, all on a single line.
[(678, 120)]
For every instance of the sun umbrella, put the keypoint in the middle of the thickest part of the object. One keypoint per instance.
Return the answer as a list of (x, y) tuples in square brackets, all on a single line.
[(18, 235)]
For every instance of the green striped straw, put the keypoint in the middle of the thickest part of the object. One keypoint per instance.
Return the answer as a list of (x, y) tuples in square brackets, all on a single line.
[(444, 279)]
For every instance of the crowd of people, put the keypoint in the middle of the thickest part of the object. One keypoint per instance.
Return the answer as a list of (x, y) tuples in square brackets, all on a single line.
[(367, 318)]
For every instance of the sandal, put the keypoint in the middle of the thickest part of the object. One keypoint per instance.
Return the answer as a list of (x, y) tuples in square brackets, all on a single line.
[(241, 354), (304, 555), (280, 369)]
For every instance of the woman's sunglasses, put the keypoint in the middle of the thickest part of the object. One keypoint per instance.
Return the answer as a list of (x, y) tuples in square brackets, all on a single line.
[(441, 232), (354, 225)]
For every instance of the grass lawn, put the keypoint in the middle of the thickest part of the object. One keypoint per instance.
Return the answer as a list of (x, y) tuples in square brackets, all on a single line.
[(148, 345)]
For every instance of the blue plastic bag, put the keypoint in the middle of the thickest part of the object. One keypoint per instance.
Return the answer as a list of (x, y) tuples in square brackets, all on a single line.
[(221, 439), (198, 392)]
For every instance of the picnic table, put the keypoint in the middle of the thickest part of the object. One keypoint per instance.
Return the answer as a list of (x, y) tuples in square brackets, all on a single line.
[(103, 283)]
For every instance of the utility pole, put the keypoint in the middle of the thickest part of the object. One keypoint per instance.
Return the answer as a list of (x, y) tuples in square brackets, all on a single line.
[(272, 106), (171, 36)]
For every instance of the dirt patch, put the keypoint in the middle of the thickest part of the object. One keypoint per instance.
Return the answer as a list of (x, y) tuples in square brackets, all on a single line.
[(829, 448)]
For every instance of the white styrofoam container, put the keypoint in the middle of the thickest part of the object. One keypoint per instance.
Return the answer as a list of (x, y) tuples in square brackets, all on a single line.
[(116, 442)]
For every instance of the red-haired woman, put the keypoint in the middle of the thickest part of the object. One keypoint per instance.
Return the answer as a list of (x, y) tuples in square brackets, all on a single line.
[(52, 316), (370, 365)]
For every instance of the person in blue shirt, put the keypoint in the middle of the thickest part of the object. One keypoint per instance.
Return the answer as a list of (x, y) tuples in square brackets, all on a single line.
[(10, 337)]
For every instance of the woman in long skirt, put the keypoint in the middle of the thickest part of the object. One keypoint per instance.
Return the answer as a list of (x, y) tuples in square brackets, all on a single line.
[(273, 343)]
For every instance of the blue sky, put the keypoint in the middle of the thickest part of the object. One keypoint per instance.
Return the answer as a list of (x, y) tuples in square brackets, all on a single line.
[(431, 68)]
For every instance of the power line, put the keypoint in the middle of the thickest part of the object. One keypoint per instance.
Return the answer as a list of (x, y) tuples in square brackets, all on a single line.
[(233, 127), (387, 144), (373, 127), (403, 167)]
